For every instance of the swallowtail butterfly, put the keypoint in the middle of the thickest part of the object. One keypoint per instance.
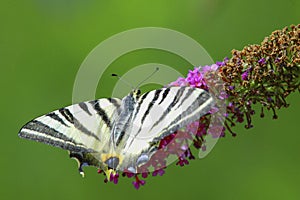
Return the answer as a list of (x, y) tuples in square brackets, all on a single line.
[(117, 135)]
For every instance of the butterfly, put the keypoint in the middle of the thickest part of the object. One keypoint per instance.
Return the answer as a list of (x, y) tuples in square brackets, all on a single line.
[(119, 134)]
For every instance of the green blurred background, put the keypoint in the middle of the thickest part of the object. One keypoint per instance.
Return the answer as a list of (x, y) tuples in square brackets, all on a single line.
[(43, 43)]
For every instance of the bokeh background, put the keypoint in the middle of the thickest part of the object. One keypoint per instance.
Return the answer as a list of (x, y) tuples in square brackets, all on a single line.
[(43, 43)]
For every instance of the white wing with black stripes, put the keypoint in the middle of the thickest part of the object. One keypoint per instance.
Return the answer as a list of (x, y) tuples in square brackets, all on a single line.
[(114, 134), (160, 113), (83, 127)]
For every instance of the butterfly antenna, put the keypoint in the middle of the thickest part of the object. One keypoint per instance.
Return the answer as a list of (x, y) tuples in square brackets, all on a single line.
[(123, 80), (156, 70)]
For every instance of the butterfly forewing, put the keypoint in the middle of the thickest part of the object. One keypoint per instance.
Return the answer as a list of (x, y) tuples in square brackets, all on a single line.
[(83, 127), (160, 113)]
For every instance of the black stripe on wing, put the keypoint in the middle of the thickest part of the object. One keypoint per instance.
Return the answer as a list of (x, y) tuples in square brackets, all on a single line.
[(57, 118), (101, 113), (45, 129), (114, 102), (165, 94), (174, 126), (143, 97), (67, 115), (70, 117), (150, 105), (45, 134), (186, 96), (156, 95), (171, 105), (84, 107), (122, 134)]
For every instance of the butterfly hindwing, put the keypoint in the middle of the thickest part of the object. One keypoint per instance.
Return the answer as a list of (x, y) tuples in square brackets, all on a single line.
[(82, 127)]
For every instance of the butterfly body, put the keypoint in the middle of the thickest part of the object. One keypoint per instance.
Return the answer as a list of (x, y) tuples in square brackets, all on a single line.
[(114, 134)]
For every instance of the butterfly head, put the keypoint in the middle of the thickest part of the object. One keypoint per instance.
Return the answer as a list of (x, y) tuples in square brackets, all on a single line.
[(135, 93)]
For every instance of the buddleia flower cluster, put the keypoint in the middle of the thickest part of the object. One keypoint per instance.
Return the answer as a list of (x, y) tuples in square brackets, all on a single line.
[(262, 74)]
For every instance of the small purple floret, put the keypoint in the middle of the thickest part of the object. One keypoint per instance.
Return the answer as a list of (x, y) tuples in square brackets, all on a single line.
[(262, 61), (137, 183), (114, 178), (158, 172), (245, 75)]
